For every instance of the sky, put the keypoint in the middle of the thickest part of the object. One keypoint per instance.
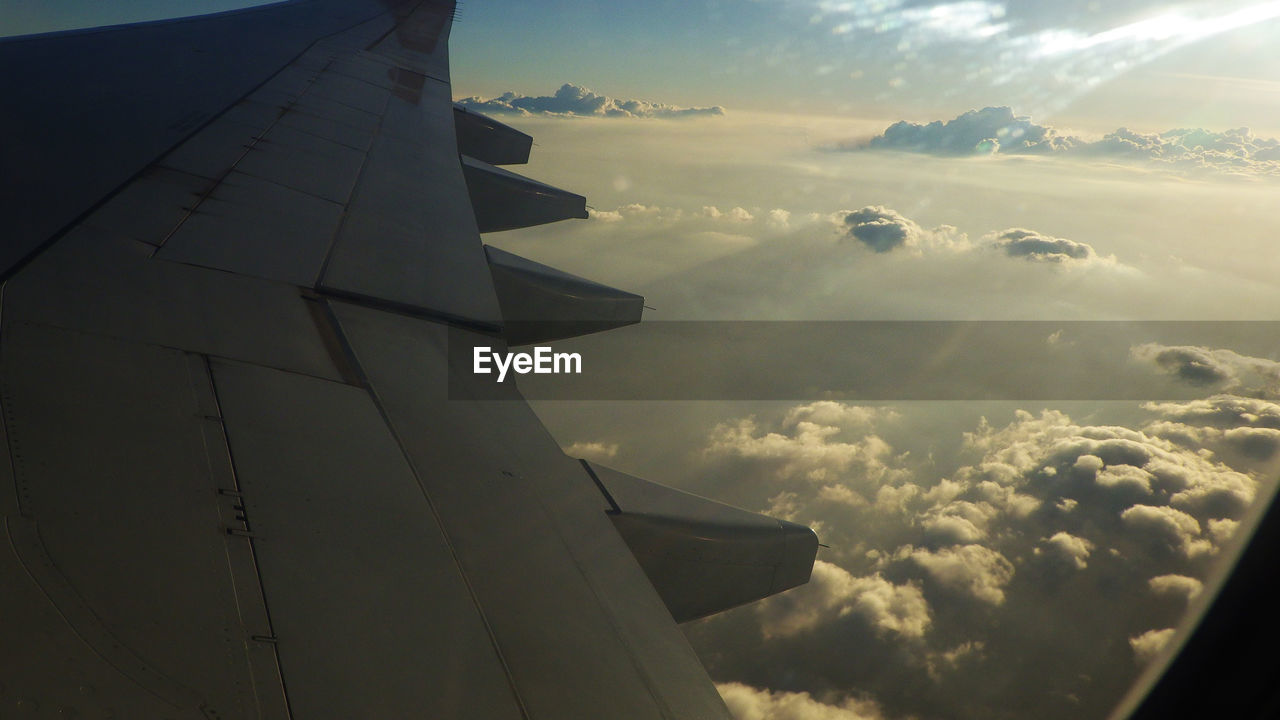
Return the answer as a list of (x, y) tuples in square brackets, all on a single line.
[(1005, 556), (1084, 60)]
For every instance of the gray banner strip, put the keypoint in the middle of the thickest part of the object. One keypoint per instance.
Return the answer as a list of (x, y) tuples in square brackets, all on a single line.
[(885, 361)]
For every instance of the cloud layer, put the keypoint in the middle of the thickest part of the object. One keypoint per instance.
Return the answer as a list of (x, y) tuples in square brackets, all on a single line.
[(1040, 572), (996, 130), (577, 101)]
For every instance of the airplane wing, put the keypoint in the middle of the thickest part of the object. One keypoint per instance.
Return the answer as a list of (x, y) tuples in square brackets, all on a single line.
[(238, 485)]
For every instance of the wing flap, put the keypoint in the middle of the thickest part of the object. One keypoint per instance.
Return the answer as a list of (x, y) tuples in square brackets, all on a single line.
[(93, 108)]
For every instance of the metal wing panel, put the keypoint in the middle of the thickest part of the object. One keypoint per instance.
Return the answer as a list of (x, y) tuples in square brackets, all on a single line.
[(409, 237), (372, 616), (92, 108), (294, 158), (166, 304), (559, 587), (256, 227), (124, 531)]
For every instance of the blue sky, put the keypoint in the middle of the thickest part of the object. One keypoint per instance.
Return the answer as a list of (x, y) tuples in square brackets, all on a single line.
[(1138, 62), (1082, 59)]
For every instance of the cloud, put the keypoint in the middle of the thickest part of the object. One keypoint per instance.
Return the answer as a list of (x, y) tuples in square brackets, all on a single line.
[(779, 218), (604, 215), (976, 132), (1221, 412), (736, 214), (598, 451), (1068, 548), (838, 414), (1038, 247), (958, 521), (1149, 644), (1176, 585), (996, 130), (809, 445), (1178, 529), (975, 570), (938, 662), (943, 569), (1114, 466), (577, 101), (834, 593), (749, 703), (1215, 368), (883, 229)]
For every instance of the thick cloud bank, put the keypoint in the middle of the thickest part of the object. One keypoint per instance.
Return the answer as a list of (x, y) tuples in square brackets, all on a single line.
[(996, 130), (1034, 574), (575, 100)]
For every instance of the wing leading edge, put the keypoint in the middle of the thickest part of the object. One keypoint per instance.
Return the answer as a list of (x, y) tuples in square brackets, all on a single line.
[(241, 488)]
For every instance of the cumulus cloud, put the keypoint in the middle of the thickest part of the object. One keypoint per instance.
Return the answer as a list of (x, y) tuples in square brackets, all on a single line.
[(996, 130), (883, 229), (736, 214), (779, 217), (1149, 644), (808, 445), (958, 521), (574, 100), (834, 593), (1038, 247), (1176, 585), (749, 703), (1215, 368), (1068, 548), (1221, 412), (976, 132), (975, 570), (1178, 529), (1044, 539), (1116, 465)]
